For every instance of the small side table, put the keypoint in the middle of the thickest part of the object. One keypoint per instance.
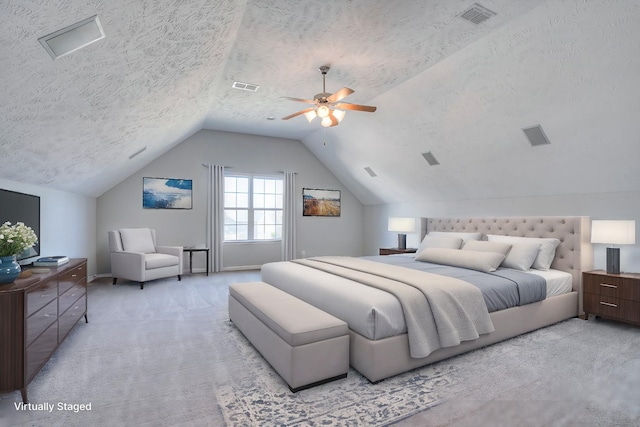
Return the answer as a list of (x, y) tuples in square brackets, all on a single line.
[(391, 251), (191, 250)]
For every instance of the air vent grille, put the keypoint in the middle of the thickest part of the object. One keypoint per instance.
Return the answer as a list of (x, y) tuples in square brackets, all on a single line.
[(536, 136), (245, 86), (370, 171), (477, 14), (430, 158), (73, 37)]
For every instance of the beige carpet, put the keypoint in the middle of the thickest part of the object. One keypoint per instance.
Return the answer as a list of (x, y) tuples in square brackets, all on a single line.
[(168, 356)]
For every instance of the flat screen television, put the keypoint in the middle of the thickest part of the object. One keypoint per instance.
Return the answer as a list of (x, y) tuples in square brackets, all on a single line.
[(19, 207)]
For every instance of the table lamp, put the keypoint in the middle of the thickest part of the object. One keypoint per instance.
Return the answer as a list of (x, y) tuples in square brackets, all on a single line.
[(402, 226), (613, 232)]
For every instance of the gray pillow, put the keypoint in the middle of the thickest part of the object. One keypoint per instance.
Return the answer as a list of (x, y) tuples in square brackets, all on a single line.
[(473, 260)]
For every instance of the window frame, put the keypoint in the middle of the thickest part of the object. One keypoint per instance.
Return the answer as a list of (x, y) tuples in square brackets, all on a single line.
[(251, 229)]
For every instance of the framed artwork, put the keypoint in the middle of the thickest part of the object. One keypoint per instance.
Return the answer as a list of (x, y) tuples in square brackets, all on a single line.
[(317, 202), (166, 193)]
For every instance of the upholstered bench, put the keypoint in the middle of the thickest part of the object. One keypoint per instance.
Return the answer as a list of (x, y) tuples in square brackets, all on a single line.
[(305, 345)]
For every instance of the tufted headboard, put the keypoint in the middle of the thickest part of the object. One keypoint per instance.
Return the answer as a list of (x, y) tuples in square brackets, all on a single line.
[(573, 255)]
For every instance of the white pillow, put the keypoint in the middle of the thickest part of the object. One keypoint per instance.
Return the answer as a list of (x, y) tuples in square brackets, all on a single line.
[(137, 240), (547, 248), (485, 246), (440, 242), (463, 235), (521, 255), (481, 261)]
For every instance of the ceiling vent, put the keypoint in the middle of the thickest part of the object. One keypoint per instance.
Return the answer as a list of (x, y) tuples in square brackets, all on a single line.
[(73, 37), (477, 14), (430, 158), (245, 86), (370, 171), (137, 152), (536, 136)]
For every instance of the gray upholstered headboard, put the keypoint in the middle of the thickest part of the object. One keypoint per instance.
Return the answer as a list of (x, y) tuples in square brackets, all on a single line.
[(573, 255)]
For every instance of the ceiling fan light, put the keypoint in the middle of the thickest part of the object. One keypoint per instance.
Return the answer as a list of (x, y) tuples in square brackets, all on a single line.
[(339, 115), (323, 111), (326, 122), (310, 115)]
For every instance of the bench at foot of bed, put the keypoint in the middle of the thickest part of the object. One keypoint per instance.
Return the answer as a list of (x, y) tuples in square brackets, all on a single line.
[(305, 345)]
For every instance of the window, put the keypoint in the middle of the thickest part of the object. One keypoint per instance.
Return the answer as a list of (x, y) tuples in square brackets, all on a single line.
[(252, 208)]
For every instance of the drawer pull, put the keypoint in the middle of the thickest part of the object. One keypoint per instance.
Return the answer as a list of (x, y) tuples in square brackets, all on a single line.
[(73, 275), (608, 286), (609, 304)]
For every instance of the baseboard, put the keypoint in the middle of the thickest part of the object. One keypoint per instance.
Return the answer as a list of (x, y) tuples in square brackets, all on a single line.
[(242, 267)]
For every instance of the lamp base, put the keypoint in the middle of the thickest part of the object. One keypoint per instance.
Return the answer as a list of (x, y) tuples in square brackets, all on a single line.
[(402, 241), (613, 260)]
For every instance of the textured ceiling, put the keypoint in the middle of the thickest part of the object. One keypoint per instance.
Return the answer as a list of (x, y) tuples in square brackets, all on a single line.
[(441, 84)]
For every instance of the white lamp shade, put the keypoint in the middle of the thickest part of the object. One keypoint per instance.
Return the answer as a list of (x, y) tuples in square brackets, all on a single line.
[(339, 114), (322, 111), (402, 225), (310, 115), (618, 232)]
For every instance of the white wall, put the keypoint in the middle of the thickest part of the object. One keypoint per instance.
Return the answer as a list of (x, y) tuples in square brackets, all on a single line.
[(122, 205), (67, 222), (623, 205)]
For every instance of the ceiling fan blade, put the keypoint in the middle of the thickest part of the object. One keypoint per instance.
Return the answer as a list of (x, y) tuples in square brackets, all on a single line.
[(308, 101), (298, 113), (342, 93), (355, 107)]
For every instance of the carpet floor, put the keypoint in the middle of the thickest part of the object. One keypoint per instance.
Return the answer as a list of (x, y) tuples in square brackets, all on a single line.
[(168, 356)]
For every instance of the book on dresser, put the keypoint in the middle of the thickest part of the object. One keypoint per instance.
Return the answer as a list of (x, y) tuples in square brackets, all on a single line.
[(51, 261)]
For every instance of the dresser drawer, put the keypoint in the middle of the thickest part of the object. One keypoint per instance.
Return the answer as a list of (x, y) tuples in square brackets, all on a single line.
[(70, 296), (71, 277), (618, 287), (70, 317), (41, 296), (38, 352), (41, 320), (615, 308)]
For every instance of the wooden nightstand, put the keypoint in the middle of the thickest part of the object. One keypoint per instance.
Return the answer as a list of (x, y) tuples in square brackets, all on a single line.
[(613, 296), (391, 251)]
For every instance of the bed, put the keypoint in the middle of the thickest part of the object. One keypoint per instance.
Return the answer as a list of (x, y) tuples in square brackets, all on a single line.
[(380, 346)]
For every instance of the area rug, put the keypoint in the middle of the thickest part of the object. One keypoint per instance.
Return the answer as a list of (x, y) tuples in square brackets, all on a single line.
[(262, 398)]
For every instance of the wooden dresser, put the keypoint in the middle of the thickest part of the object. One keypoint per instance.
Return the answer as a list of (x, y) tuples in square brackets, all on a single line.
[(613, 296), (36, 314)]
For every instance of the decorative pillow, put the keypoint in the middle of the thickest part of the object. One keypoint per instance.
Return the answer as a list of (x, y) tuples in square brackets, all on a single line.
[(484, 246), (137, 240), (464, 236), (521, 255), (481, 261), (440, 242), (547, 248)]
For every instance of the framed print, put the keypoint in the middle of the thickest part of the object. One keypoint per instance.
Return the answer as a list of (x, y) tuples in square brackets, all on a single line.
[(317, 202), (166, 193)]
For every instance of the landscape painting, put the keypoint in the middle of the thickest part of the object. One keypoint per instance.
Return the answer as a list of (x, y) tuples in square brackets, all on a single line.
[(166, 193), (318, 202)]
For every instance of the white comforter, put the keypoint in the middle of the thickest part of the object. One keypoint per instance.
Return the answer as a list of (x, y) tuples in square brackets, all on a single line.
[(439, 311)]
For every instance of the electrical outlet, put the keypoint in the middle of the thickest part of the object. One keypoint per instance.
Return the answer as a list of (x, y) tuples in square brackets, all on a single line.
[(304, 254)]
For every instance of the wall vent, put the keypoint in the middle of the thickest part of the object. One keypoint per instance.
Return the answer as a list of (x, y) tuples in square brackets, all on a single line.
[(430, 158), (245, 86), (477, 14), (137, 152), (73, 37), (370, 171), (536, 136)]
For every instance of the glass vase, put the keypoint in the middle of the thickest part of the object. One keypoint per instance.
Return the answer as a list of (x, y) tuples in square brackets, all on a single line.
[(9, 269)]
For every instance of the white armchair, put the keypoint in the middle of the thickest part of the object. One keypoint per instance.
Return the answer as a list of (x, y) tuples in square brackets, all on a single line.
[(135, 256)]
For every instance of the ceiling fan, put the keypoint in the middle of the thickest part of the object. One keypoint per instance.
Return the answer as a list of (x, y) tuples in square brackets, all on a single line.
[(327, 106)]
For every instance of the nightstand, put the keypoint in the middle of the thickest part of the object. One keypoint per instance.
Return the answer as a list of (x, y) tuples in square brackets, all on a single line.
[(612, 296), (391, 251)]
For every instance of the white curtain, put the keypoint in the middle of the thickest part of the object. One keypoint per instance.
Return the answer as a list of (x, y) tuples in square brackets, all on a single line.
[(289, 217), (215, 215)]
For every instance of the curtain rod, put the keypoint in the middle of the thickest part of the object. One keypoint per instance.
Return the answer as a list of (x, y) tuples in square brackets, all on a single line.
[(231, 167)]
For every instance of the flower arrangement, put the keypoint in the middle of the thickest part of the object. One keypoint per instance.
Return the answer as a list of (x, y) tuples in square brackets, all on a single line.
[(15, 239)]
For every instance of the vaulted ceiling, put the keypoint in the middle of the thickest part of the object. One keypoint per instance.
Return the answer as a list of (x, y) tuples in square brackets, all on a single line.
[(442, 84)]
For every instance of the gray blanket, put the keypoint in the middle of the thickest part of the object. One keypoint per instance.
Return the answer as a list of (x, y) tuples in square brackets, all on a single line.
[(439, 311)]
